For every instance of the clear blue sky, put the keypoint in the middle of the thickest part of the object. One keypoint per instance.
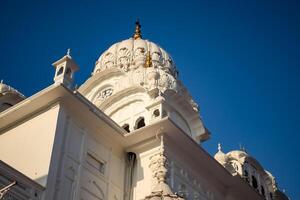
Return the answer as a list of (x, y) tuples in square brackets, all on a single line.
[(239, 59)]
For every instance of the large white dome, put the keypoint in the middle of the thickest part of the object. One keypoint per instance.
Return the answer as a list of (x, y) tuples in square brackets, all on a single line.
[(135, 80)]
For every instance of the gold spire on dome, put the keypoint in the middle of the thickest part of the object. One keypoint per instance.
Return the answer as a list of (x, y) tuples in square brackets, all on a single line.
[(137, 33), (148, 62)]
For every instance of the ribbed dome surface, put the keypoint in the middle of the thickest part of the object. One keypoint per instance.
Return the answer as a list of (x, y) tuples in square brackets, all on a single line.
[(221, 157), (132, 54)]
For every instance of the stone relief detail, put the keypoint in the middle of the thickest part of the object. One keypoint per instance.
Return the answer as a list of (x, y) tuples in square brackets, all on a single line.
[(152, 79), (124, 59), (158, 166), (105, 94), (169, 67), (167, 82), (108, 61), (139, 57), (138, 77), (186, 185), (156, 57)]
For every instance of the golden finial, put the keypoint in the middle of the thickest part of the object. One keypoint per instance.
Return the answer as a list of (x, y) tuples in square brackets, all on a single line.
[(148, 62), (137, 33)]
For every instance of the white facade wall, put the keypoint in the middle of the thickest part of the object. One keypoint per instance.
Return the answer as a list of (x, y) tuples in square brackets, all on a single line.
[(88, 166), (27, 146)]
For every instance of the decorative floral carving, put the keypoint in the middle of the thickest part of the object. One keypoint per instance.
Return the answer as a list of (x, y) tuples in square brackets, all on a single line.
[(156, 58), (156, 55), (138, 77), (169, 67), (167, 81), (108, 61), (124, 59), (158, 165), (152, 79), (139, 57)]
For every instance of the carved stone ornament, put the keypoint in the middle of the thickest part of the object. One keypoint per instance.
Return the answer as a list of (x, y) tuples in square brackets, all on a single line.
[(105, 93), (132, 53), (108, 61), (124, 59), (158, 165)]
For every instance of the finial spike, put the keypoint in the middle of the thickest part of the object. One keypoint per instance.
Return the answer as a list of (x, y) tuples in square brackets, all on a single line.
[(69, 52), (244, 149), (137, 33), (219, 147)]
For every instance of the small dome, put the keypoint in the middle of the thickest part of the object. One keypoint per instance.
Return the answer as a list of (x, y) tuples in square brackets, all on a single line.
[(132, 54), (9, 96), (238, 154), (6, 89), (220, 156)]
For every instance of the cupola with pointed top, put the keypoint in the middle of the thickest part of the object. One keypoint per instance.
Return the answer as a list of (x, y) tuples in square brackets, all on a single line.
[(9, 96), (64, 70), (220, 156)]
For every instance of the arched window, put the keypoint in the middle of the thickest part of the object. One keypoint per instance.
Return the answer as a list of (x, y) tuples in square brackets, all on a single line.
[(126, 127), (60, 71), (254, 182), (140, 122), (156, 113)]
